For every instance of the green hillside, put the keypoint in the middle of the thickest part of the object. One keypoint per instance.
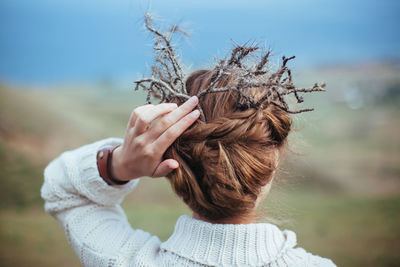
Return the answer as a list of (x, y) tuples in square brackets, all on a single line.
[(339, 189)]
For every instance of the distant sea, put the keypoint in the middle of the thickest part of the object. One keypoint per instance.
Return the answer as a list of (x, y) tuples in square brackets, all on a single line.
[(55, 42)]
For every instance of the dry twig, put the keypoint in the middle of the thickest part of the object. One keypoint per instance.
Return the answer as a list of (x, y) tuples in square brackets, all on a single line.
[(168, 79)]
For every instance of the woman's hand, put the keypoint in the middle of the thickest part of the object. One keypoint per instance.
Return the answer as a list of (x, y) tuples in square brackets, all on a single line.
[(146, 140)]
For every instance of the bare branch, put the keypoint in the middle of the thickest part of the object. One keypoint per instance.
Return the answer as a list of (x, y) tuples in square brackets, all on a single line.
[(168, 82)]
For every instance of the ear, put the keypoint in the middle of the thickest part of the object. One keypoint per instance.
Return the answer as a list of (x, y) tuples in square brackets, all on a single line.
[(264, 192), (277, 158)]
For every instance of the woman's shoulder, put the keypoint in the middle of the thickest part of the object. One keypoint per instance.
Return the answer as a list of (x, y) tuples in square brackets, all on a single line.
[(319, 261), (309, 259), (299, 256), (289, 251)]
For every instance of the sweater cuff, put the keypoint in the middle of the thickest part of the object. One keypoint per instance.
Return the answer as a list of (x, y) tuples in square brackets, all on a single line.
[(88, 180)]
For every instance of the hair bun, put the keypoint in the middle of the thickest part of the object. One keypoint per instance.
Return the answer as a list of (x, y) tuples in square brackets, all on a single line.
[(225, 162)]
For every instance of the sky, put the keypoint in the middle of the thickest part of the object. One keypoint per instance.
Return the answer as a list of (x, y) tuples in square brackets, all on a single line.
[(70, 41)]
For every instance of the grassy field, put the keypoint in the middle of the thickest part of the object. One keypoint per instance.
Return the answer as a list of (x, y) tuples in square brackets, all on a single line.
[(339, 190), (353, 231)]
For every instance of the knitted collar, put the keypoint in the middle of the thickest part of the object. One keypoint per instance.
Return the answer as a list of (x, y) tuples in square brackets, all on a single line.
[(228, 244)]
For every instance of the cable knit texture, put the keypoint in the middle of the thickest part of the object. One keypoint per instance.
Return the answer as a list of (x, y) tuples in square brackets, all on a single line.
[(97, 229)]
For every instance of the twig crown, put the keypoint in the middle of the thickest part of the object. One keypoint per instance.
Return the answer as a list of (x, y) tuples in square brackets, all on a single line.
[(168, 80)]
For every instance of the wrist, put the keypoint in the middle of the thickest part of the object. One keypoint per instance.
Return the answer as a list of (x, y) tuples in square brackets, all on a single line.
[(117, 165), (104, 165)]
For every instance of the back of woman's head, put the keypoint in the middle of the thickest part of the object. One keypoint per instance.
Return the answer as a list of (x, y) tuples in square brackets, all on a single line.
[(227, 160)]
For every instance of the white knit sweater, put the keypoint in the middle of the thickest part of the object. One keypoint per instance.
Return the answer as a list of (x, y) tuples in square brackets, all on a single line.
[(97, 229)]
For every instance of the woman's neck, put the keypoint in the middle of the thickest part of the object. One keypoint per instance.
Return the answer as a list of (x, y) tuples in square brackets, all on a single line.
[(250, 218)]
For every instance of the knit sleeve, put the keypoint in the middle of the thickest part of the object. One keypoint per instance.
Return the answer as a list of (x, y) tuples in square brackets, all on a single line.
[(89, 210)]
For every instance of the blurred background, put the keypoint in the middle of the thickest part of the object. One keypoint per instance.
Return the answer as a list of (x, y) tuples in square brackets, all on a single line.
[(66, 79)]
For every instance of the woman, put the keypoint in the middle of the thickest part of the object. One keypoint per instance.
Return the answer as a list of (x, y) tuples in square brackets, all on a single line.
[(221, 167), (219, 150)]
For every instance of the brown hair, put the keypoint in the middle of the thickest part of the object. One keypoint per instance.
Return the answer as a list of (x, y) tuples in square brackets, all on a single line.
[(226, 161)]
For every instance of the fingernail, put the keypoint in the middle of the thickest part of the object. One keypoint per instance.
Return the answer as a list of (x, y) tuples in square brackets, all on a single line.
[(193, 100), (173, 105), (195, 113), (174, 165)]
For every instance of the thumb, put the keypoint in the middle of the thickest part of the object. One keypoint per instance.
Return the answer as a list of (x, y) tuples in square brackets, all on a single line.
[(165, 167)]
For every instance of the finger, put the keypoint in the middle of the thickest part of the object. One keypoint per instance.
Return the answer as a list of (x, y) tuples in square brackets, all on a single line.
[(173, 132), (135, 113), (170, 119), (165, 167), (148, 115)]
